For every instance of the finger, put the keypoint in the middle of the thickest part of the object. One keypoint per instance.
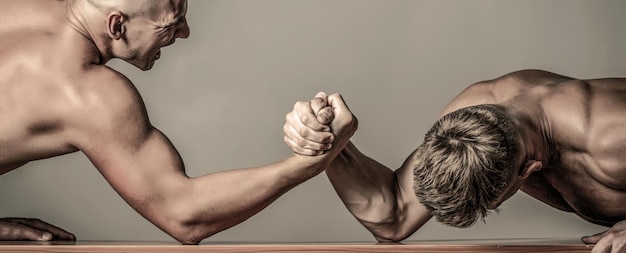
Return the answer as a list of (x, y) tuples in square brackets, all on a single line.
[(603, 246), (297, 130), (304, 114), (321, 109), (618, 248), (321, 94), (592, 239), (319, 102), (341, 111), (336, 101), (321, 134), (325, 115), (57, 232), (302, 143), (18, 232), (298, 150)]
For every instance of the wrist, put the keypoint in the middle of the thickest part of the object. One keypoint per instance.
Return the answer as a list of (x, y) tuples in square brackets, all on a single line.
[(303, 167)]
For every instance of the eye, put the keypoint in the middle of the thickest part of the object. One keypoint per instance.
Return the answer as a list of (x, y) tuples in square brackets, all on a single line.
[(174, 24)]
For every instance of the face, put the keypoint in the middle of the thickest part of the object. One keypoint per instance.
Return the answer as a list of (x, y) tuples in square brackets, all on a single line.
[(147, 34)]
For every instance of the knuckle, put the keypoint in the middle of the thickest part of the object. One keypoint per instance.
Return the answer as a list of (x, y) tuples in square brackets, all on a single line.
[(318, 102), (302, 132), (305, 118), (301, 143), (328, 138)]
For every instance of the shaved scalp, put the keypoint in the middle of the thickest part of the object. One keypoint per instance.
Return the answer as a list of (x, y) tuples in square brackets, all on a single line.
[(128, 7)]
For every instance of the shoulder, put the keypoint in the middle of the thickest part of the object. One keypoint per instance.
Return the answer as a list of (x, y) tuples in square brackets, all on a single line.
[(523, 81), (110, 92), (532, 76), (108, 106), (475, 94), (503, 88)]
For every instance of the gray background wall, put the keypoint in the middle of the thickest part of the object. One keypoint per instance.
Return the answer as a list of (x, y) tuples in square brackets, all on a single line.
[(221, 97)]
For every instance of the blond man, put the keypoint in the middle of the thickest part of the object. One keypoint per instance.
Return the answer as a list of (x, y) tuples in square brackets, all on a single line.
[(559, 139)]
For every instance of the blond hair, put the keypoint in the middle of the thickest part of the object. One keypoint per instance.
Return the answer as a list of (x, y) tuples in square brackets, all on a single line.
[(465, 164)]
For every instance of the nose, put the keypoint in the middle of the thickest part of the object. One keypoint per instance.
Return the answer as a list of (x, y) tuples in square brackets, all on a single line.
[(183, 30)]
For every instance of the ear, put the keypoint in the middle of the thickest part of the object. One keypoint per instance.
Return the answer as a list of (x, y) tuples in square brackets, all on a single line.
[(115, 25), (530, 167)]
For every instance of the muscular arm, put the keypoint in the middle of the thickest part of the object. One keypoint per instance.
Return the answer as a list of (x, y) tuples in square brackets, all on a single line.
[(151, 179), (146, 170), (381, 199)]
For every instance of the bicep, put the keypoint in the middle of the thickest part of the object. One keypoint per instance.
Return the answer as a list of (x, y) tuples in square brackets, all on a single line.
[(147, 174), (113, 130), (138, 171), (414, 214)]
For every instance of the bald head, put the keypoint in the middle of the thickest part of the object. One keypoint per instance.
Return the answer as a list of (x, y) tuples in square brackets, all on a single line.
[(133, 30), (131, 8)]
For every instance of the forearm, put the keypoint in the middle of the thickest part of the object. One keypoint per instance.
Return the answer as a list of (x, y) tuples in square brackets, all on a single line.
[(367, 188), (381, 199), (217, 201)]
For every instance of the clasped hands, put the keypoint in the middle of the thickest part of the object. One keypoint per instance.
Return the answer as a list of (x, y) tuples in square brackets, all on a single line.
[(320, 125)]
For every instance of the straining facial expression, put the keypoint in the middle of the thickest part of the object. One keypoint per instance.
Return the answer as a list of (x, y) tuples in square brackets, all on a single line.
[(157, 24)]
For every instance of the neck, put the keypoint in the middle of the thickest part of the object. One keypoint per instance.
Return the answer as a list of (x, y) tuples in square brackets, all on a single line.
[(77, 14), (536, 132)]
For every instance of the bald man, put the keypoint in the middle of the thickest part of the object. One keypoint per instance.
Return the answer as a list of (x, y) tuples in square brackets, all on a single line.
[(58, 97)]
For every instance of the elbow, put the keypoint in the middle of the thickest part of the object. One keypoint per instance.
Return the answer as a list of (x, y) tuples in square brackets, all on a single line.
[(185, 236), (388, 230), (186, 227), (187, 233), (182, 232), (390, 236), (185, 240)]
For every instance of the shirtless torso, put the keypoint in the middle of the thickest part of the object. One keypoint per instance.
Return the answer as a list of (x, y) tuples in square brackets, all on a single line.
[(586, 122), (41, 60), (57, 96), (573, 136)]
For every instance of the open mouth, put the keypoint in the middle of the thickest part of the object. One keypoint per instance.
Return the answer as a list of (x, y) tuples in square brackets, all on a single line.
[(157, 55)]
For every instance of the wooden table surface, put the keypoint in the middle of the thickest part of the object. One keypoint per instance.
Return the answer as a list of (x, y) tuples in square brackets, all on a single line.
[(499, 245)]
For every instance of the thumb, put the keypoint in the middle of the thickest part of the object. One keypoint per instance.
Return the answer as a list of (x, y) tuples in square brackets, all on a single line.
[(319, 102), (320, 108), (325, 115), (593, 239), (321, 94)]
